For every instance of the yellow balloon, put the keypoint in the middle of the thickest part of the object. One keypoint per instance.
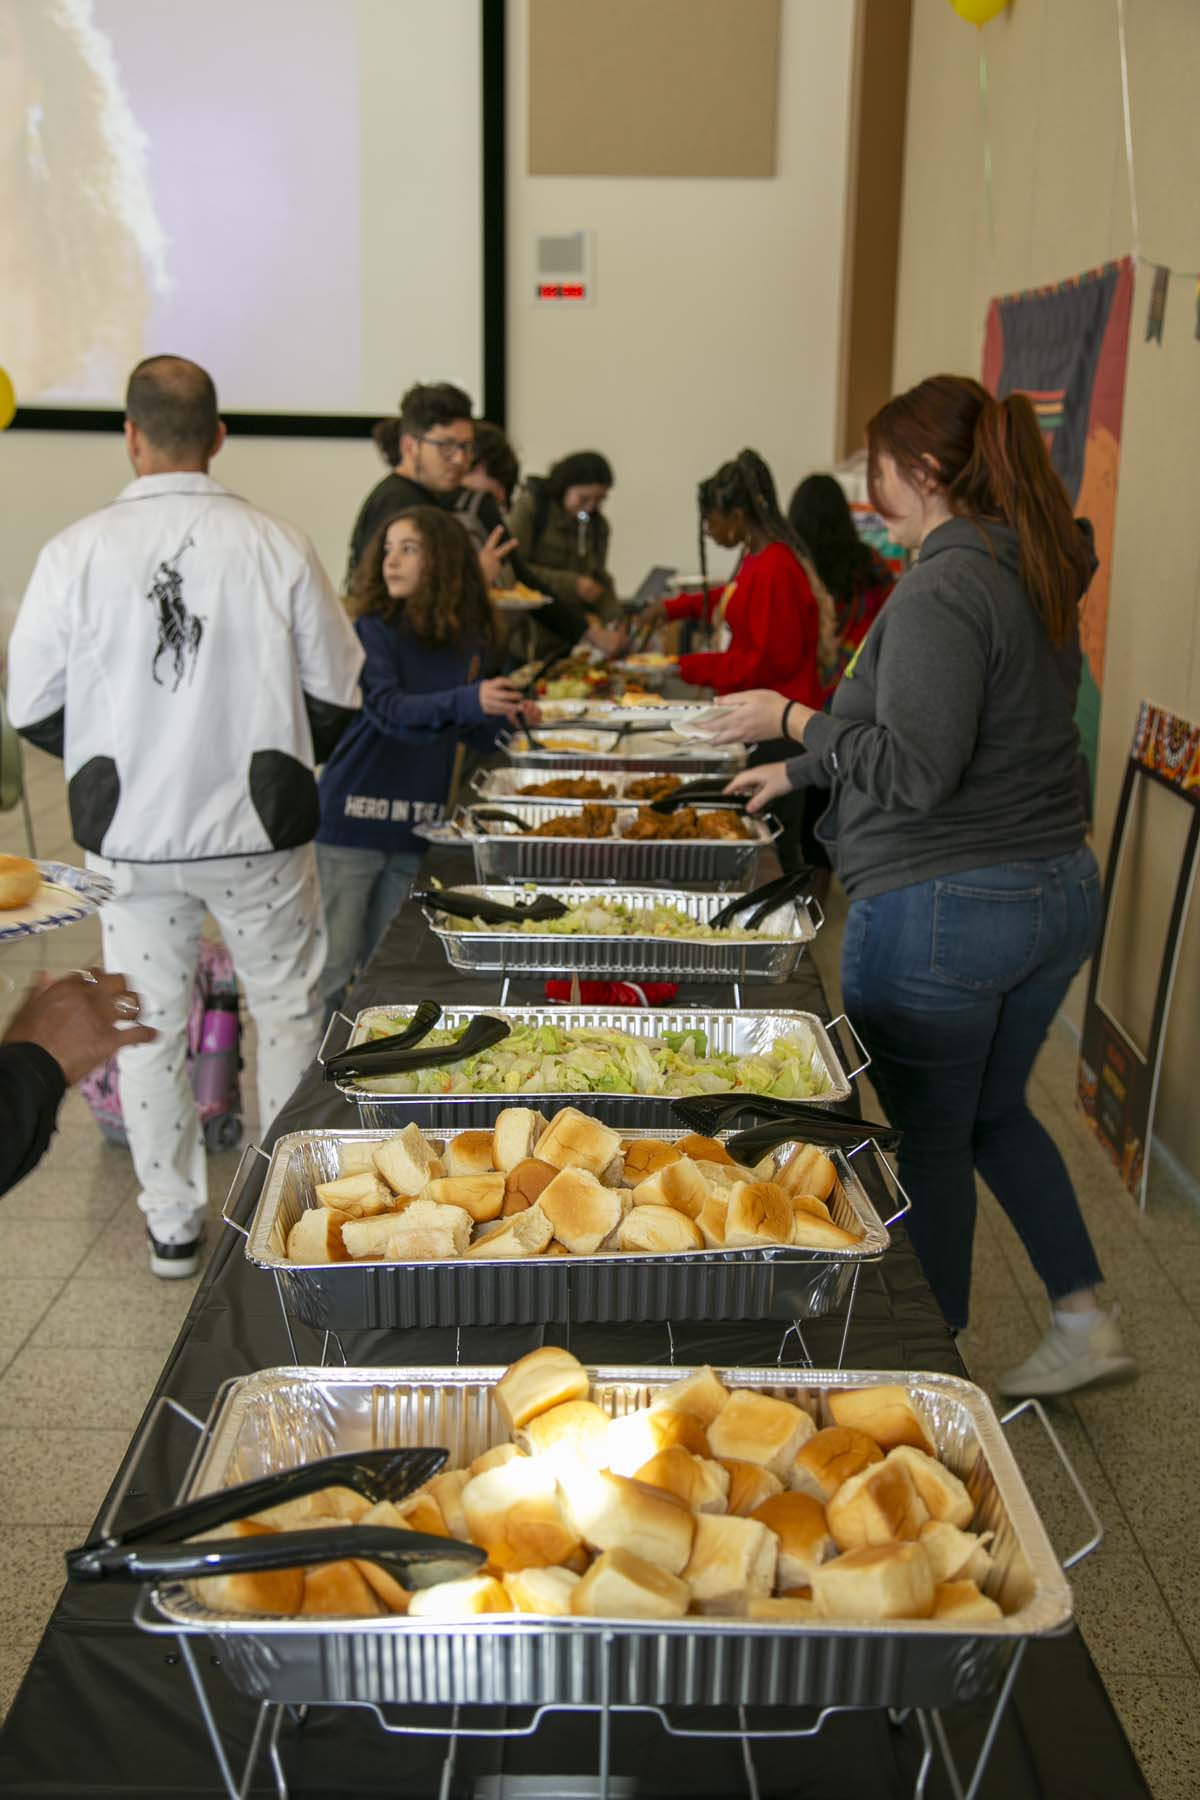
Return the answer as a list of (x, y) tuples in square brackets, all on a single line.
[(8, 400), (978, 12)]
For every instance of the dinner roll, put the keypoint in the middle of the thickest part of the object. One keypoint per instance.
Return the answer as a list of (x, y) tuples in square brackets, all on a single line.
[(547, 1591), (426, 1245), (460, 1599), (658, 1231), (524, 1183), (702, 1394), (431, 1215), (944, 1495), (759, 1429), (962, 1602), (634, 1439), (20, 880), (576, 1431), (470, 1153), (758, 1213), (712, 1219), (875, 1507), (383, 1585), (882, 1581), (813, 1233), (408, 1162), (573, 1141), (610, 1512), (513, 1512), (538, 1381), (698, 1481), (526, 1233), (623, 1585), (359, 1195), (581, 1210), (480, 1195), (645, 1156), (316, 1237), (704, 1149), (678, 1184), (885, 1413), (783, 1609), (357, 1156), (723, 1177), (446, 1489), (798, 1521), (807, 1170), (420, 1512), (339, 1590), (956, 1555), (495, 1458), (516, 1131), (829, 1458), (258, 1590), (808, 1203), (732, 1562), (749, 1485), (371, 1237)]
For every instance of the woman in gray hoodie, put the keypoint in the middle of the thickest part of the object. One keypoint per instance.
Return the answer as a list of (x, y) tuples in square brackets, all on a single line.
[(956, 824)]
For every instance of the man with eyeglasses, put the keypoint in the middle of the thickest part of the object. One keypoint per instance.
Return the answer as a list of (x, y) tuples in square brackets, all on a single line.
[(429, 449)]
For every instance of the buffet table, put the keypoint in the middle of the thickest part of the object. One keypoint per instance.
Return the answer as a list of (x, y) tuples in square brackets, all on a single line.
[(106, 1709)]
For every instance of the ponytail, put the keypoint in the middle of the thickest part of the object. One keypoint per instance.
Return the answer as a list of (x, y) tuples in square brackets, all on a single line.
[(746, 483), (991, 459)]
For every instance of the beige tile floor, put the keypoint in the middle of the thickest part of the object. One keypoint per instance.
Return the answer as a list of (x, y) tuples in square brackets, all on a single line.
[(85, 1328)]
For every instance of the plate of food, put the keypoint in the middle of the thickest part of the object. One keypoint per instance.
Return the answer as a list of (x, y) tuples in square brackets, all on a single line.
[(517, 598), (41, 896), (641, 662)]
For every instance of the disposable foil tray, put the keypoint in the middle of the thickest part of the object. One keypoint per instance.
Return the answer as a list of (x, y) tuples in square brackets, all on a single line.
[(641, 751), (640, 957), (693, 1284), (499, 785), (506, 853), (745, 1033), (279, 1418)]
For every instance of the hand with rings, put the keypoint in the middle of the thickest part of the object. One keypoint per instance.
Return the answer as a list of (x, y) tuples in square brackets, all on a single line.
[(80, 1020)]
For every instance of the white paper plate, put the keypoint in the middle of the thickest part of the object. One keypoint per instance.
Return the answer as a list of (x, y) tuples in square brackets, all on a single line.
[(66, 895)]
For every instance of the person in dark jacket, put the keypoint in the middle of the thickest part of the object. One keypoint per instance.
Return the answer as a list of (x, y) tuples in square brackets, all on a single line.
[(425, 623), (956, 826), (64, 1030), (563, 535)]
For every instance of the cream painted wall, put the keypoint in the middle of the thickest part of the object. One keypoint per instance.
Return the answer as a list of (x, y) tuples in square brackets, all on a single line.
[(1060, 205), (717, 305)]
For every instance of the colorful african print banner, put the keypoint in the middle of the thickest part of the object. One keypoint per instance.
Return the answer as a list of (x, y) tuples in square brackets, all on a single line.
[(1066, 347)]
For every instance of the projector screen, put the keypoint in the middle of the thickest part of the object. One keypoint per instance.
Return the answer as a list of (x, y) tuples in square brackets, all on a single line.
[(286, 191)]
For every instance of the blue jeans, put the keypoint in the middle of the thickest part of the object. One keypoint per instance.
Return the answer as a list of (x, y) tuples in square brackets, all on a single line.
[(953, 985), (362, 891)]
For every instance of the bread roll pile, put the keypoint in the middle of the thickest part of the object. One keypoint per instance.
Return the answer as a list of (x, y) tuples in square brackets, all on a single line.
[(570, 1187), (714, 1501)]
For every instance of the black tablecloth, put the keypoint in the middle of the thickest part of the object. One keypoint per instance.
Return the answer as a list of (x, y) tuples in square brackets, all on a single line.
[(108, 1710)]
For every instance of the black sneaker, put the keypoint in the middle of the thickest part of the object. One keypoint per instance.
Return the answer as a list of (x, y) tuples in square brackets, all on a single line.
[(174, 1262)]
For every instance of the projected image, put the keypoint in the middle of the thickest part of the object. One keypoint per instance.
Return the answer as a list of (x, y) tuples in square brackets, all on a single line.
[(81, 246), (286, 191)]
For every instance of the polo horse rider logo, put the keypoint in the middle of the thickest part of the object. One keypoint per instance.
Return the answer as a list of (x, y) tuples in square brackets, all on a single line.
[(179, 631)]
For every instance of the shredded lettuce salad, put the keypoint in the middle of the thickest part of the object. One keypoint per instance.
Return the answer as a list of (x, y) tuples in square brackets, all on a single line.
[(551, 1059), (612, 918)]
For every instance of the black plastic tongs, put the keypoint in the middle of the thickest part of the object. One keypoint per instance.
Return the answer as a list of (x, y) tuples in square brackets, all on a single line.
[(461, 905), (158, 1549), (392, 1055), (707, 791), (762, 901), (784, 1120)]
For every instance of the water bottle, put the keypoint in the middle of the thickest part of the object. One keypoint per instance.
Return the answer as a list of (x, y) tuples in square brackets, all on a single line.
[(214, 1070)]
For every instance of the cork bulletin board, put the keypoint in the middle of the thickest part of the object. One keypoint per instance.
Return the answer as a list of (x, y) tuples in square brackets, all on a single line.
[(653, 87)]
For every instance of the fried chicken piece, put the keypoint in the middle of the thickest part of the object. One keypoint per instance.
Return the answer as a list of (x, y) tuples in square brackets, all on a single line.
[(588, 822), (654, 787), (568, 787), (687, 823)]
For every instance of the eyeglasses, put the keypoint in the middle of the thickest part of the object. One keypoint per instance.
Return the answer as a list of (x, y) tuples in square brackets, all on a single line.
[(451, 447)]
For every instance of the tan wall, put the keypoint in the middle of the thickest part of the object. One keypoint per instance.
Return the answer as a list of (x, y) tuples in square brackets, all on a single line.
[(716, 318), (1060, 205)]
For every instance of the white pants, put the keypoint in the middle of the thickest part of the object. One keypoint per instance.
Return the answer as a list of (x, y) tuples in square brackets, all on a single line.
[(269, 912)]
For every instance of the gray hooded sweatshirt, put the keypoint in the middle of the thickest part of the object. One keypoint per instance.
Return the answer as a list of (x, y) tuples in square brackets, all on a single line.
[(950, 743)]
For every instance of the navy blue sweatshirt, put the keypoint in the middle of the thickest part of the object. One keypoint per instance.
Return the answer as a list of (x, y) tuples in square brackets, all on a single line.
[(392, 768)]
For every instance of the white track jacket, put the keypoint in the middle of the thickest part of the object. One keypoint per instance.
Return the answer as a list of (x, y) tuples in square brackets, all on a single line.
[(184, 640)]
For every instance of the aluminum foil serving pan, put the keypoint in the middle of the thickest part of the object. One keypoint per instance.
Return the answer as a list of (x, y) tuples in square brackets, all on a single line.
[(637, 957), (695, 1284), (278, 1418), (740, 1033), (640, 750), (499, 785), (505, 852)]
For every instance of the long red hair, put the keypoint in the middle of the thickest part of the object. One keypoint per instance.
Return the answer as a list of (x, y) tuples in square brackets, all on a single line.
[(991, 460)]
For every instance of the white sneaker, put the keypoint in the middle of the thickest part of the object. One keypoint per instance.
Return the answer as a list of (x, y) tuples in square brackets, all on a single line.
[(175, 1248), (1066, 1360)]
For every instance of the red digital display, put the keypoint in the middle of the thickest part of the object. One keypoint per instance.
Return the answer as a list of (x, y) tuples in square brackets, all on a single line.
[(561, 290)]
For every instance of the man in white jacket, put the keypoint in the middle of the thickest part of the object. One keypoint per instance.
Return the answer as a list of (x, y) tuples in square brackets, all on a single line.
[(187, 657)]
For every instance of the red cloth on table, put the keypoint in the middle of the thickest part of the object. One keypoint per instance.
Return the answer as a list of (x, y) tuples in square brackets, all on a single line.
[(615, 993)]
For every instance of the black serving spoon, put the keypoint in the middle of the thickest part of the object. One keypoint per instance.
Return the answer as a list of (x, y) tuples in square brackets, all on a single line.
[(493, 912), (785, 1120), (483, 1031)]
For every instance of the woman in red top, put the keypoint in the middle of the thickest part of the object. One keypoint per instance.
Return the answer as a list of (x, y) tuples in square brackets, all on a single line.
[(768, 609)]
